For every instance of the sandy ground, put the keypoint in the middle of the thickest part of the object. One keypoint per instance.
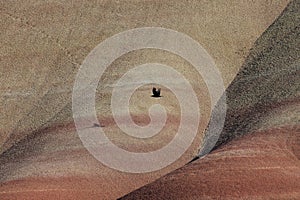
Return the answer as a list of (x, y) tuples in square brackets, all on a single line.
[(262, 160), (44, 44)]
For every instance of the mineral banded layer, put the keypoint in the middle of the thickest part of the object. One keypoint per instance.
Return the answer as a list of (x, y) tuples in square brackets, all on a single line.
[(257, 155), (255, 46)]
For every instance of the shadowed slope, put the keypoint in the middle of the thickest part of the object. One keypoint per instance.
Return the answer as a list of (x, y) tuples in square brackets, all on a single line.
[(264, 110), (268, 79)]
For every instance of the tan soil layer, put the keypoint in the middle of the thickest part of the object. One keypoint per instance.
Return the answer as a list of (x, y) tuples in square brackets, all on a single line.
[(263, 102), (52, 163), (44, 43)]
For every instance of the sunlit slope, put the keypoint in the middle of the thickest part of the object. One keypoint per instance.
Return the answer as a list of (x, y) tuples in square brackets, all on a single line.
[(44, 43), (257, 156)]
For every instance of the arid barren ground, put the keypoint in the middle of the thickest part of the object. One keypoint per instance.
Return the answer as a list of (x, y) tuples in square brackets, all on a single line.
[(262, 161), (45, 42)]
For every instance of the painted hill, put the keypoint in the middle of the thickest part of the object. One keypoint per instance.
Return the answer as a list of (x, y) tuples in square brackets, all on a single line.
[(44, 43), (257, 156)]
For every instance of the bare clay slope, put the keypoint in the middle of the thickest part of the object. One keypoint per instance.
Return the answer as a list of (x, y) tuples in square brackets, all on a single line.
[(263, 109), (44, 43), (269, 78), (260, 165)]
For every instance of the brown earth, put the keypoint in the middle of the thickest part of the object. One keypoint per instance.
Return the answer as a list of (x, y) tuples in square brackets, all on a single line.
[(53, 163), (257, 155), (44, 44), (260, 165)]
